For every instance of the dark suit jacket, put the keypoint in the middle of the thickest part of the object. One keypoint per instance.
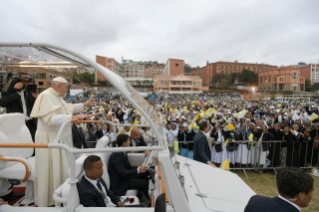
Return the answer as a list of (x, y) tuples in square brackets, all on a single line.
[(120, 172), (91, 197), (78, 137), (140, 142), (265, 204), (201, 149), (266, 137)]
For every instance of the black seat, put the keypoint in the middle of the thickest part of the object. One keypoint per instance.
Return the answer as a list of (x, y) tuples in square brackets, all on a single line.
[(160, 203)]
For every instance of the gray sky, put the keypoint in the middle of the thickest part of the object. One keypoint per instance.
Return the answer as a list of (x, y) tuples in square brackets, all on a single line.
[(264, 31)]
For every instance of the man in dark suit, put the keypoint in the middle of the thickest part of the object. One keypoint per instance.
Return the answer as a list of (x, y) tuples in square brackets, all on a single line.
[(78, 136), (201, 149), (93, 190), (122, 175), (138, 140), (295, 187)]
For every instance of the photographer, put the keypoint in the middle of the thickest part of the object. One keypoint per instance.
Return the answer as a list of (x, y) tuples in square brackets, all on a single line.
[(17, 99)]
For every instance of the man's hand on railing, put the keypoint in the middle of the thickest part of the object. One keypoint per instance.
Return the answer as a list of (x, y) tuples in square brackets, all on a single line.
[(80, 117), (211, 164), (146, 153)]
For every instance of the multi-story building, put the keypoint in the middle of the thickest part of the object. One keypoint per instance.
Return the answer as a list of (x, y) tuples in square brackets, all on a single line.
[(128, 69), (109, 63), (178, 84), (174, 67), (152, 72), (311, 72), (281, 79), (207, 72)]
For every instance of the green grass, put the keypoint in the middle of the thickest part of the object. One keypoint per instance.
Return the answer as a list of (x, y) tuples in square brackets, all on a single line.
[(265, 185)]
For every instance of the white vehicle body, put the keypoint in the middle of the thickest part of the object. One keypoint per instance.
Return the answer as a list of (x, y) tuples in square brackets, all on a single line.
[(190, 185)]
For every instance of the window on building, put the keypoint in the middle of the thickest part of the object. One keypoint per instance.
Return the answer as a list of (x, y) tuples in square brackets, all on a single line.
[(269, 79), (174, 83), (176, 64), (226, 67), (185, 83), (230, 67), (254, 68), (163, 82), (248, 68), (40, 83), (195, 83), (235, 67), (262, 69), (261, 79), (222, 66)]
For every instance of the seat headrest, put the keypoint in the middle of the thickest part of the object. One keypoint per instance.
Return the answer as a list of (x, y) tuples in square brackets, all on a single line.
[(11, 122), (102, 142), (78, 166)]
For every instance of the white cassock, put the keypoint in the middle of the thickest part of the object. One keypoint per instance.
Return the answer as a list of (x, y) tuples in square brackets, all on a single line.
[(51, 165)]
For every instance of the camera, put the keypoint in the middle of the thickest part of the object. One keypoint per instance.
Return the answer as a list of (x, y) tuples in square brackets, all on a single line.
[(8, 80)]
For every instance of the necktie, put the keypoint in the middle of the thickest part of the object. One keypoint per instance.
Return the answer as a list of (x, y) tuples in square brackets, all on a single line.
[(99, 185)]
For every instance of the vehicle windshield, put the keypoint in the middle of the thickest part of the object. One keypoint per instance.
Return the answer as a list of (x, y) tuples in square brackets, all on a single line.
[(18, 57)]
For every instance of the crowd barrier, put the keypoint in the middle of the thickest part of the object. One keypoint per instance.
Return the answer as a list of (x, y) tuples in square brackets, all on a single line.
[(249, 155)]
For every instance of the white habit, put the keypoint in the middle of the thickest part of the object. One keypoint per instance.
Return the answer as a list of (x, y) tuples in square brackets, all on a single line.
[(51, 165)]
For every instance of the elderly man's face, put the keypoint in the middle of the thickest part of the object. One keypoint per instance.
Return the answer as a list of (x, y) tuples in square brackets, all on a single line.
[(62, 88)]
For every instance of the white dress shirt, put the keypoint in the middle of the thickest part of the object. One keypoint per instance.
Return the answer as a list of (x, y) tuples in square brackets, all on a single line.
[(94, 182), (296, 206), (24, 106)]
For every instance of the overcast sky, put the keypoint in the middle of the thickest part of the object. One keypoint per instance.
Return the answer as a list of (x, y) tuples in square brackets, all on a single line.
[(274, 32)]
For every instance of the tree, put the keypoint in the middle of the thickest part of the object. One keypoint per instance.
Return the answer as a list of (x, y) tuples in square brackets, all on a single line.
[(315, 86), (307, 85), (76, 78), (234, 76), (87, 77), (138, 82), (224, 83), (146, 82), (249, 77)]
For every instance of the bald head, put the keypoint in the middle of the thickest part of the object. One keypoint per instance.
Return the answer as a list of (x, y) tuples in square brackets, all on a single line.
[(135, 134)]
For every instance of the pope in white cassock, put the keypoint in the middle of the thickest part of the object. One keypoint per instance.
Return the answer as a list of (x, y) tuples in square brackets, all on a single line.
[(52, 165)]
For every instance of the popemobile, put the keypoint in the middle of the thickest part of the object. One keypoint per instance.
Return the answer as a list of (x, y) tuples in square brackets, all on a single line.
[(179, 185)]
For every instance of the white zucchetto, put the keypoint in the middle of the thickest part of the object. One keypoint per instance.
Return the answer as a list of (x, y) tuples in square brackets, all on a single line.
[(60, 80)]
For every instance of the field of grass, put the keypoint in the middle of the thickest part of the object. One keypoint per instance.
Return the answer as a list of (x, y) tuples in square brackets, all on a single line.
[(265, 185)]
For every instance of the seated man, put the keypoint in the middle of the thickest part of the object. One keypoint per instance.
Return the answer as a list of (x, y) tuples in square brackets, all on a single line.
[(138, 140), (123, 176), (93, 190)]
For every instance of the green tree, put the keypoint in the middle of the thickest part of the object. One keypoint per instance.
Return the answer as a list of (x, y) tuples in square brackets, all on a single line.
[(249, 77), (76, 78), (138, 82), (224, 83), (307, 85), (234, 76), (315, 86), (87, 77)]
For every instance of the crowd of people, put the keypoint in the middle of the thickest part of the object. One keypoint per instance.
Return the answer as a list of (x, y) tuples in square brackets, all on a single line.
[(239, 130)]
